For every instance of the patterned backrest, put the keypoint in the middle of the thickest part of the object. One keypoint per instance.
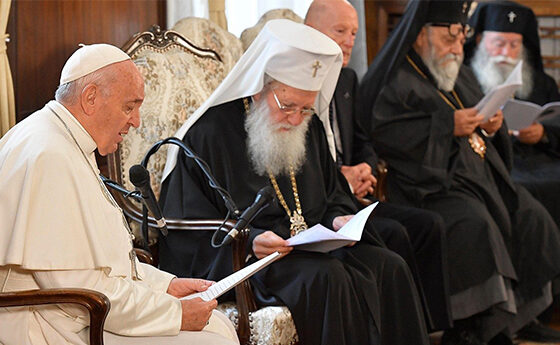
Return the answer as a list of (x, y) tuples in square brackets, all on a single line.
[(249, 34), (205, 33), (178, 78)]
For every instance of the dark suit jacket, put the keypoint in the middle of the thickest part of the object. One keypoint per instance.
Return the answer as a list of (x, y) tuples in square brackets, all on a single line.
[(356, 144)]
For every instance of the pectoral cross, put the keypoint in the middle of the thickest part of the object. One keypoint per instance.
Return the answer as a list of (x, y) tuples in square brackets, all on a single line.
[(511, 16), (315, 67), (297, 224)]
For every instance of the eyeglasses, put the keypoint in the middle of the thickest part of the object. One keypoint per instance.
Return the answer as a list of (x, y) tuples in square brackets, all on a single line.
[(455, 29), (292, 110)]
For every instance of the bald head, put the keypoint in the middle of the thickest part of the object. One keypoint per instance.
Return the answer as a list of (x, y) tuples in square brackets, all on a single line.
[(338, 20)]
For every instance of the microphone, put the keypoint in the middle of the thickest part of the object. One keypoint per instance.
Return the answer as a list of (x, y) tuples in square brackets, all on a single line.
[(262, 200), (140, 178)]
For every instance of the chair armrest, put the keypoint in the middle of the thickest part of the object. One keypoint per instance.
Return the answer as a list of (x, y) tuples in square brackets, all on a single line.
[(380, 191), (96, 303), (144, 256)]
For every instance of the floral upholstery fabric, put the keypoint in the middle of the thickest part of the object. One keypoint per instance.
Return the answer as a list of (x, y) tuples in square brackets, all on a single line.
[(176, 83), (269, 326), (206, 34), (249, 34)]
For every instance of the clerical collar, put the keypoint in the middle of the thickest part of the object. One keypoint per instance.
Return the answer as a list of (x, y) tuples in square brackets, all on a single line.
[(85, 141)]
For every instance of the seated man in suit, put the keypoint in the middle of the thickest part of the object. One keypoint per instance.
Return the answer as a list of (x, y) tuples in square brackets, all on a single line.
[(258, 129), (504, 34), (61, 228), (415, 234)]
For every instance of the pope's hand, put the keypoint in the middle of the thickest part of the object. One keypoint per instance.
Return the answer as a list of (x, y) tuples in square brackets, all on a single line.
[(180, 287), (268, 242), (196, 313), (466, 121)]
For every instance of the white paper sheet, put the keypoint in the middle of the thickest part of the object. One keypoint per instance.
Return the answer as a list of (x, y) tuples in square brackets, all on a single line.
[(320, 239), (232, 280), (498, 96), (521, 114)]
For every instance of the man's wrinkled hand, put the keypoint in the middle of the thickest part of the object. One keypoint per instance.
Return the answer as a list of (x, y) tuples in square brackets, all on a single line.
[(532, 134), (360, 178), (196, 313), (466, 121), (268, 242), (340, 221), (494, 123)]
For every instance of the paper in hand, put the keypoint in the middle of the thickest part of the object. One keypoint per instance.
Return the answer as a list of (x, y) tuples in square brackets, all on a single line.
[(320, 239), (498, 96)]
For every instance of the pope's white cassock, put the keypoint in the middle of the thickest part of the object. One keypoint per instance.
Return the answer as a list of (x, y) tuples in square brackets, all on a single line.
[(59, 227)]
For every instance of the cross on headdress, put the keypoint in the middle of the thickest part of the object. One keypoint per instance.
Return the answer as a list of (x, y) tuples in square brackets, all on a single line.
[(511, 15), (315, 67)]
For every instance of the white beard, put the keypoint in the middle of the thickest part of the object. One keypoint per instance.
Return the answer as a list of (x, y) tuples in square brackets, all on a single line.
[(491, 72), (269, 149), (444, 70)]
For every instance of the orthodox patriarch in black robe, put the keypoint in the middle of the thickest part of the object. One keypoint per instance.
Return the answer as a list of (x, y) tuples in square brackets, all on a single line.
[(337, 298), (503, 246), (536, 167)]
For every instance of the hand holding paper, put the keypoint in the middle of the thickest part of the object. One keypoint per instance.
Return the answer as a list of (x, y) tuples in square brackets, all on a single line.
[(320, 239), (498, 96)]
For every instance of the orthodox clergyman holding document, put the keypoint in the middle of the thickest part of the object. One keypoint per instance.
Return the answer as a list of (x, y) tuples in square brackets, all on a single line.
[(263, 127)]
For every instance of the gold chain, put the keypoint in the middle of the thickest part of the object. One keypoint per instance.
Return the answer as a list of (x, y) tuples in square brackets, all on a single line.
[(477, 143), (297, 222)]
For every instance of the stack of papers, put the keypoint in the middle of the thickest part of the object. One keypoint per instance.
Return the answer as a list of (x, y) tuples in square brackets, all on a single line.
[(320, 239)]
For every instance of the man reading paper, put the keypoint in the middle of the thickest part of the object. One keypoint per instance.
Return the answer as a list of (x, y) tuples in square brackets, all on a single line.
[(262, 126)]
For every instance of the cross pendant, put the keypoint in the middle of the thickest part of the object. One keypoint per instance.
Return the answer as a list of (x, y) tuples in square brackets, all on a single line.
[(297, 224)]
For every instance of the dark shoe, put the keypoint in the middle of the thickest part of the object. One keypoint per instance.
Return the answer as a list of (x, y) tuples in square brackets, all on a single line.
[(460, 337), (536, 331), (501, 339)]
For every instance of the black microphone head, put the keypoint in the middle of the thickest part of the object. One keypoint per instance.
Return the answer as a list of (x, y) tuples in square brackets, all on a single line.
[(139, 176), (267, 193)]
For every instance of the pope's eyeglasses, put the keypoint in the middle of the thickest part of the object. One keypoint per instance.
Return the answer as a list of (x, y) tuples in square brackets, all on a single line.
[(289, 110)]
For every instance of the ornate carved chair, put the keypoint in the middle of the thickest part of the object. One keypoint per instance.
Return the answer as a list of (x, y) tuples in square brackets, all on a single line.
[(178, 77), (207, 34), (249, 34)]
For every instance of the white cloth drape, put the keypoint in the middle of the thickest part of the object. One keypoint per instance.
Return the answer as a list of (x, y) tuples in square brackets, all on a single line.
[(242, 14), (7, 102), (179, 9)]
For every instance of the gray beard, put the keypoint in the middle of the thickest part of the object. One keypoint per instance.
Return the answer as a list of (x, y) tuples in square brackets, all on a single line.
[(444, 75), (271, 150), (490, 74)]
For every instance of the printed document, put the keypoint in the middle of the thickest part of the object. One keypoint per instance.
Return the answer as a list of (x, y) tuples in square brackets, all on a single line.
[(498, 96), (320, 239), (521, 114), (226, 284)]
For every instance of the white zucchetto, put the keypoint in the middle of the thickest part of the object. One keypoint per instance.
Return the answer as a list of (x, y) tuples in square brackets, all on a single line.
[(90, 58)]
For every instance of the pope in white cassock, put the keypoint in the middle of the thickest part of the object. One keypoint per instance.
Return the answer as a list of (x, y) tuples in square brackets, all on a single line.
[(60, 227)]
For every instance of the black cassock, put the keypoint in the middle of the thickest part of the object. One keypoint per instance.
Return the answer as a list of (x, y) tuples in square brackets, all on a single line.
[(537, 167), (342, 297), (496, 231)]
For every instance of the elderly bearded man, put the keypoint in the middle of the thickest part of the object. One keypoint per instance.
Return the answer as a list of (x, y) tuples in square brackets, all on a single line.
[(503, 246), (504, 34), (257, 129)]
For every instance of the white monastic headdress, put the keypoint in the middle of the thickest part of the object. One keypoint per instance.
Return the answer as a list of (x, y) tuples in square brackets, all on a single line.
[(291, 53)]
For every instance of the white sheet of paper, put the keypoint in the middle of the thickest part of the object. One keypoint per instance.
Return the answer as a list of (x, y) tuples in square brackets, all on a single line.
[(498, 96), (320, 239), (520, 114), (226, 284)]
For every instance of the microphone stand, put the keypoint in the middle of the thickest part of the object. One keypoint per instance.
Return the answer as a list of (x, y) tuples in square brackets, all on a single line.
[(228, 200)]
